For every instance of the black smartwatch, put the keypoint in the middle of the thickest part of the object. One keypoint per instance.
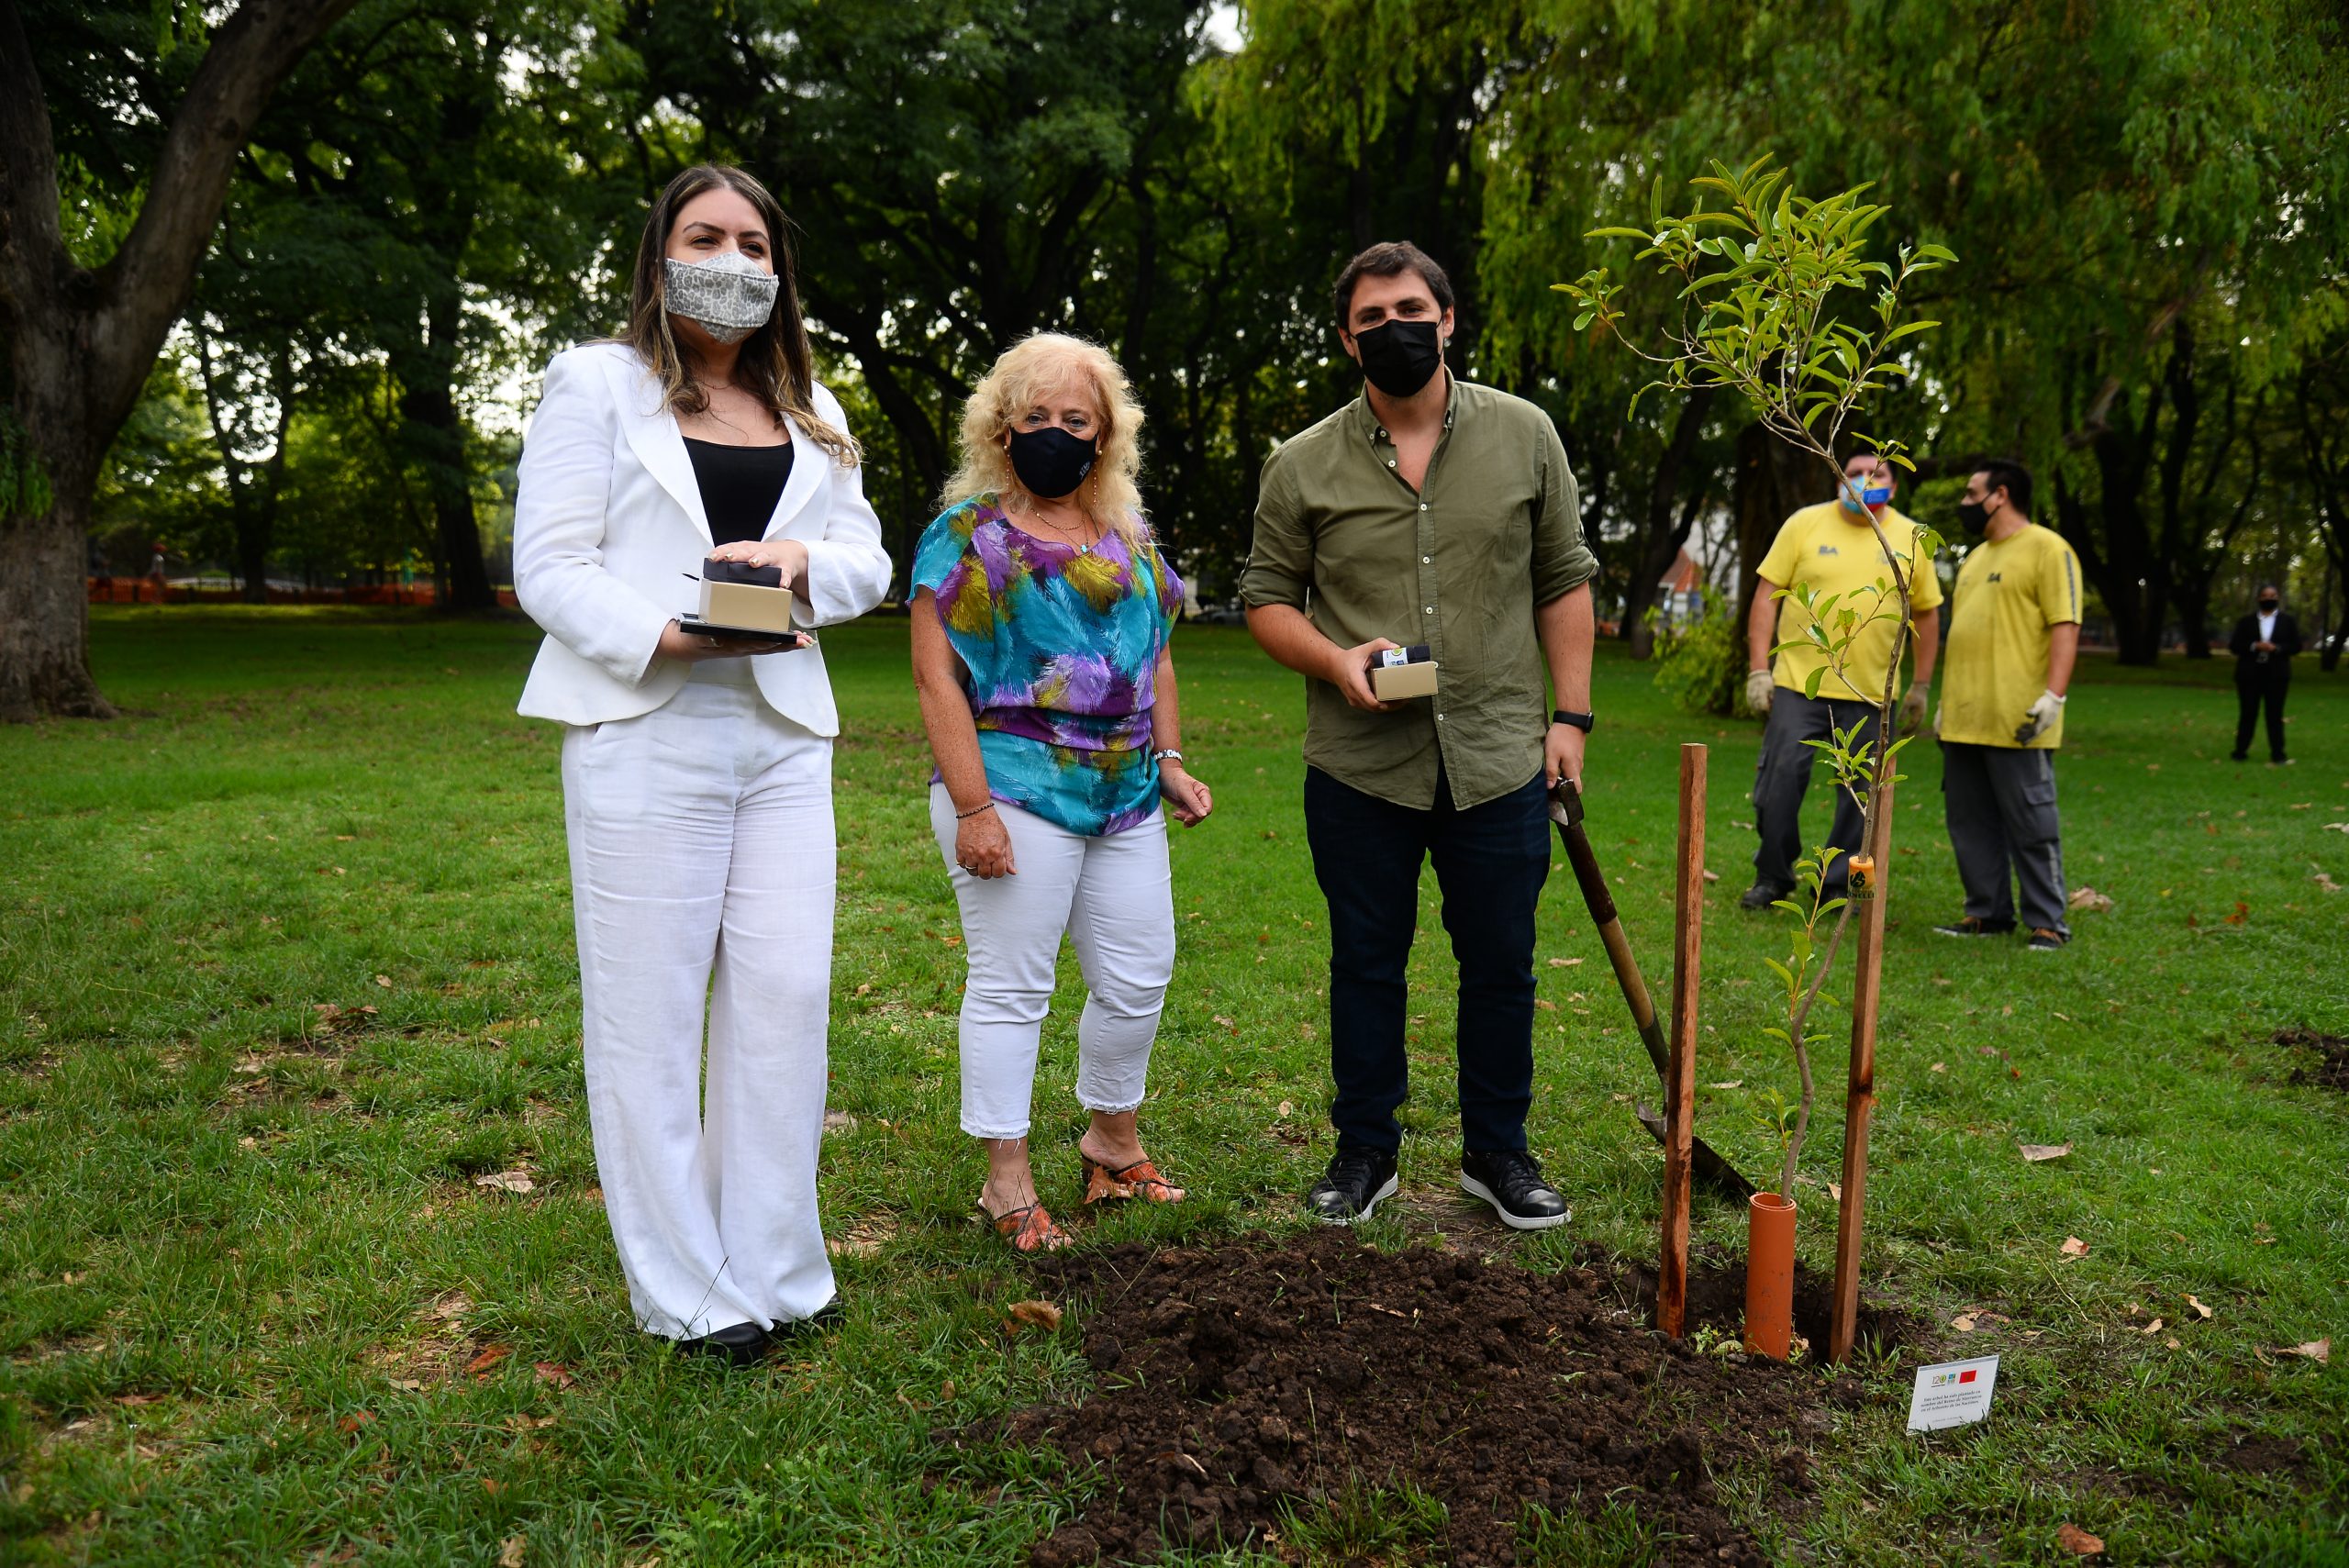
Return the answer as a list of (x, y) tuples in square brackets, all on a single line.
[(1581, 721)]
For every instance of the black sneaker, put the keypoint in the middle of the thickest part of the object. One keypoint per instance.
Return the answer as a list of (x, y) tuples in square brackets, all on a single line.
[(1513, 1183), (1357, 1181), (1762, 895), (2045, 940), (1974, 926)]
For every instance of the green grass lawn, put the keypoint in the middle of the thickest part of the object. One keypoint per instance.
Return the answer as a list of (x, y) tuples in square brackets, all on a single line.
[(285, 962)]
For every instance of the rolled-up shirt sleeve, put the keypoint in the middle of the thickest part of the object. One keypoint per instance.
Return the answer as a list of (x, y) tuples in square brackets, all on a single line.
[(1280, 562), (1562, 561)]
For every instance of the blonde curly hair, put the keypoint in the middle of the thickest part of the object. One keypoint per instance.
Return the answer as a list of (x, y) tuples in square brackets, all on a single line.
[(1031, 374)]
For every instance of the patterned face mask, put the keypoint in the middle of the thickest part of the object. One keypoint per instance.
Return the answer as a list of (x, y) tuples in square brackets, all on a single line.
[(729, 297)]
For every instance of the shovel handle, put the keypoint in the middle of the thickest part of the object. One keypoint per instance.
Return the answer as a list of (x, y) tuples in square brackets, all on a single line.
[(1601, 903)]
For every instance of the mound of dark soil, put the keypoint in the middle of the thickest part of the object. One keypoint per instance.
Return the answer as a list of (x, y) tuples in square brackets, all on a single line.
[(2331, 1068), (1240, 1381)]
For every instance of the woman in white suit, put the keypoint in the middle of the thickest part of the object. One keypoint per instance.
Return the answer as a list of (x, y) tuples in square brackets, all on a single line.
[(696, 773)]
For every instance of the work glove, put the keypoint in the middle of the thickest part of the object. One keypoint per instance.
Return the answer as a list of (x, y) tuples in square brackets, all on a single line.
[(1912, 710), (1759, 687), (2042, 713)]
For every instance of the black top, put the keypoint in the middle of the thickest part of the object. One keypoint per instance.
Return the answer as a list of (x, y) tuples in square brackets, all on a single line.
[(2273, 665), (740, 486)]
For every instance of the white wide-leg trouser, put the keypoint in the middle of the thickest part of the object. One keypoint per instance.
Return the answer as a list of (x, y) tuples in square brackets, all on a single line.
[(702, 872), (1113, 897)]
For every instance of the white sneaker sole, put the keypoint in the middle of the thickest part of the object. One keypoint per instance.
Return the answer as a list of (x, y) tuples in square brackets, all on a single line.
[(1381, 1195), (1476, 1188)]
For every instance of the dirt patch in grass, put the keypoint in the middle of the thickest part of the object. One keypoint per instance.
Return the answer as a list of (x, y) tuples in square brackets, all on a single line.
[(1244, 1384), (2258, 1455), (2330, 1070)]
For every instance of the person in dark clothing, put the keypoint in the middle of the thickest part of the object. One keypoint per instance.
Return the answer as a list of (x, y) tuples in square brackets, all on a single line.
[(2263, 644)]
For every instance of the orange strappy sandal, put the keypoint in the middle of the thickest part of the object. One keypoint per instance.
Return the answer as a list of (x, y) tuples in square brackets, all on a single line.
[(1028, 1229), (1139, 1180)]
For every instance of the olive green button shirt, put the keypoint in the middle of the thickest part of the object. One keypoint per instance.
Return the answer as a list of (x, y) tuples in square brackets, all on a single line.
[(1459, 564)]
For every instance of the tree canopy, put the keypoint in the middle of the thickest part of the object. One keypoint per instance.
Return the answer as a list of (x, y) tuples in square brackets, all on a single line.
[(419, 201)]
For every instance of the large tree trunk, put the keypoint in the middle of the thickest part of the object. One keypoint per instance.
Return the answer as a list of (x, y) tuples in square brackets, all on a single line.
[(81, 342), (1670, 513)]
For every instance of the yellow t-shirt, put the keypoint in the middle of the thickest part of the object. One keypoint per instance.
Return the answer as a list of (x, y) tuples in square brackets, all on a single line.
[(1834, 552), (2008, 593)]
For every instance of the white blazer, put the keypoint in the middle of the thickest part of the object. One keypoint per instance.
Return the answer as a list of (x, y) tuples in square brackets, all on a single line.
[(610, 536)]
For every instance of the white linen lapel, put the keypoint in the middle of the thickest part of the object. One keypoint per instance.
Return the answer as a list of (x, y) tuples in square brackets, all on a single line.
[(808, 462), (653, 436)]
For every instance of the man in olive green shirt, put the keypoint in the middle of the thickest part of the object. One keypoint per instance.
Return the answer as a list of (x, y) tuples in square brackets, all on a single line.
[(1434, 512)]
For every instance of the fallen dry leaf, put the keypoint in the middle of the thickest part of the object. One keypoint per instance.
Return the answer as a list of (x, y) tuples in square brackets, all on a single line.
[(2074, 1246), (2153, 1328), (1037, 1314), (1962, 1322), (491, 1355), (2200, 1310), (1937, 1067), (2335, 828), (1286, 1109), (2171, 1343), (2317, 1350), (382, 980), (1564, 963), (506, 1181), (353, 1421), (1712, 876), (509, 1555), (838, 1121), (138, 1398), (1835, 1191), (2077, 1541), (1732, 1083), (2089, 898), (946, 1389), (554, 1374), (2035, 1152)]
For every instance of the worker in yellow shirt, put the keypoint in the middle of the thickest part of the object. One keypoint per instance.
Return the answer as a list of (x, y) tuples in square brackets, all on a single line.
[(2014, 633), (1830, 549)]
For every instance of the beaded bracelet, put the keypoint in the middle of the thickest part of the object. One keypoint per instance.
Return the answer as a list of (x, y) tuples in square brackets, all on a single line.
[(984, 805)]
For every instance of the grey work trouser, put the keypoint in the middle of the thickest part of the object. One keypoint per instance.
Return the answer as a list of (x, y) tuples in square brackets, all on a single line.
[(1782, 777), (2000, 803)]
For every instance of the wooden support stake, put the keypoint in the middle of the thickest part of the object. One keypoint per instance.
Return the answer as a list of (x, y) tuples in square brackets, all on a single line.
[(1859, 1103), (1680, 1085)]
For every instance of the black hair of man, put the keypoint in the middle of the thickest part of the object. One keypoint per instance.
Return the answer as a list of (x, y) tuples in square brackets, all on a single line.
[(2006, 473), (1389, 258)]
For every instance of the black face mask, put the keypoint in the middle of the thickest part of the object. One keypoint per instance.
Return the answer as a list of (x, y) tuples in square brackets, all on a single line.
[(1398, 357), (1051, 462), (1974, 515), (2267, 606)]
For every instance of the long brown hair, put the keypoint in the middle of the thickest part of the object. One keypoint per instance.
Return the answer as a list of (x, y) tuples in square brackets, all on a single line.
[(774, 364)]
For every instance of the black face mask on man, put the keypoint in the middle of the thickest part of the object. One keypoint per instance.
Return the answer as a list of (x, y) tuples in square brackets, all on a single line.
[(1051, 462), (1974, 515), (1397, 356), (2267, 606)]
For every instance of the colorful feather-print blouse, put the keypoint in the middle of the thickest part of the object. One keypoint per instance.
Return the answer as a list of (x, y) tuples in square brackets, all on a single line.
[(1060, 649)]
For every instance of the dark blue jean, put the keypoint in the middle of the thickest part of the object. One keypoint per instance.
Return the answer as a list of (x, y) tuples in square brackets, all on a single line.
[(1490, 864)]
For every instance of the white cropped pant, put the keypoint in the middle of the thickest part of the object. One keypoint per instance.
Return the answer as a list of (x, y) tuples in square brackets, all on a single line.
[(702, 851), (1113, 897)]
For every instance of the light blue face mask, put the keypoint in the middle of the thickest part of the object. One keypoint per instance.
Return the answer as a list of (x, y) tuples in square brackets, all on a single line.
[(1857, 496)]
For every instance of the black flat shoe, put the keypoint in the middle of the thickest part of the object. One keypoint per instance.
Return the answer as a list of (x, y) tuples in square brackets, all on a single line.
[(1762, 895), (742, 1343)]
